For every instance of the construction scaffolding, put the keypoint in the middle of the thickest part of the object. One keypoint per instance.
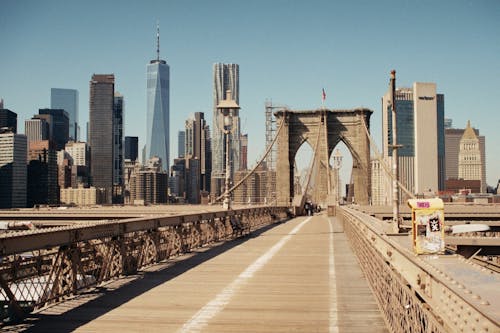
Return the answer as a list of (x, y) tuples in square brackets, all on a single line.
[(271, 158), (258, 186)]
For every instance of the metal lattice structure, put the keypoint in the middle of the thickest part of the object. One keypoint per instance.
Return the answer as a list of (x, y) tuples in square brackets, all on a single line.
[(415, 294), (44, 266)]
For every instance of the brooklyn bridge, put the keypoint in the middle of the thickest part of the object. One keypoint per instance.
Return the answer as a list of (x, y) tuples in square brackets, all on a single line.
[(268, 268)]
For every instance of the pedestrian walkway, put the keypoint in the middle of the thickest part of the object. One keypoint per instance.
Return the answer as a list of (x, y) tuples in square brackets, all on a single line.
[(299, 276)]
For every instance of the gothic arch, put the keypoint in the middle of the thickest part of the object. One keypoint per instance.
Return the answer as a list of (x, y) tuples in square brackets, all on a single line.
[(308, 126)]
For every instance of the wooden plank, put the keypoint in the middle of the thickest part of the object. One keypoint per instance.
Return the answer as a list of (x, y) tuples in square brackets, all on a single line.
[(288, 289)]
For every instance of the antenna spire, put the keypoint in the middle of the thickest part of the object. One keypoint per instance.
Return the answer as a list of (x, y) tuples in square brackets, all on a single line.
[(158, 40)]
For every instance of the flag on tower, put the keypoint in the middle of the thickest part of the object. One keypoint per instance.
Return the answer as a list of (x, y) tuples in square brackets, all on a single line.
[(323, 94)]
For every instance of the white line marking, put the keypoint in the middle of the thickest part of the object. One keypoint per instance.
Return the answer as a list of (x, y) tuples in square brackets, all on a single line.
[(201, 318), (334, 320)]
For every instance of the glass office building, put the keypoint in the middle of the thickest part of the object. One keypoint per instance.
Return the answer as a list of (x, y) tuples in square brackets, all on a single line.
[(158, 112), (67, 99), (420, 132), (102, 89), (131, 148)]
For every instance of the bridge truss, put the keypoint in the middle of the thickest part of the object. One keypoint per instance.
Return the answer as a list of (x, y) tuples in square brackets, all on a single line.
[(44, 266), (422, 293)]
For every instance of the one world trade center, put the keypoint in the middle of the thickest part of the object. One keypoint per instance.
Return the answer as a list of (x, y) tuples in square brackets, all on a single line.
[(158, 118)]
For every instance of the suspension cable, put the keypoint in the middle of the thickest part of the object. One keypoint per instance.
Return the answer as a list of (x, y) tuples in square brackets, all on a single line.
[(313, 161), (256, 166), (383, 163)]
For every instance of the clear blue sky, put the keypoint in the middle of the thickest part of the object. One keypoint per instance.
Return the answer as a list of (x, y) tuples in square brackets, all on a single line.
[(287, 51)]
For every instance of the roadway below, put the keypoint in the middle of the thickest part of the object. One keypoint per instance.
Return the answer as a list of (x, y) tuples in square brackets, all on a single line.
[(298, 276)]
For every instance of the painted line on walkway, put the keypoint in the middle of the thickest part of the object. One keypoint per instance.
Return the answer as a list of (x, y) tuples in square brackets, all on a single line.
[(333, 317), (212, 308)]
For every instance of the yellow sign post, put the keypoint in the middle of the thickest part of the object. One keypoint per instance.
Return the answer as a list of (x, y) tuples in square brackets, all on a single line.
[(427, 225)]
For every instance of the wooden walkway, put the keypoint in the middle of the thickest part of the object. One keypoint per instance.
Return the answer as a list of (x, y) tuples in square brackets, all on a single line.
[(299, 276)]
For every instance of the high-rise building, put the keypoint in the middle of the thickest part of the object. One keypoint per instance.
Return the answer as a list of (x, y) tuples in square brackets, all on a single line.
[(181, 144), (470, 161), (244, 152), (131, 148), (192, 180), (64, 169), (149, 184), (197, 139), (420, 126), (158, 113), (79, 152), (43, 185), (254, 189), (13, 169), (60, 126), (102, 90), (226, 86), (67, 99), (452, 146), (177, 179), (118, 148), (380, 183), (8, 119), (36, 129), (75, 160), (129, 168)]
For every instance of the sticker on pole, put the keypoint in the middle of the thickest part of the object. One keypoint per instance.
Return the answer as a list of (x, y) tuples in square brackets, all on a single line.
[(427, 225)]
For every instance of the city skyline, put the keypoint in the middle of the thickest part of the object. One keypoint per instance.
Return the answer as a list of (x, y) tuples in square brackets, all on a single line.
[(287, 52)]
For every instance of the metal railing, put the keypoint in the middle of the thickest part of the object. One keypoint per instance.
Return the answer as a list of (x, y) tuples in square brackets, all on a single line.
[(44, 266), (413, 295)]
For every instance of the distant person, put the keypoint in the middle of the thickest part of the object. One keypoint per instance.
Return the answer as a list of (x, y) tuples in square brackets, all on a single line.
[(306, 208)]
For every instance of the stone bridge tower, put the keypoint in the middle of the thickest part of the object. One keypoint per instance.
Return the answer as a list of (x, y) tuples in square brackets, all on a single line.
[(329, 127)]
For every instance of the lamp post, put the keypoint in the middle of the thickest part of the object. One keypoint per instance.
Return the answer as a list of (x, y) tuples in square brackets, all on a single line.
[(228, 121), (227, 108), (337, 163), (395, 161)]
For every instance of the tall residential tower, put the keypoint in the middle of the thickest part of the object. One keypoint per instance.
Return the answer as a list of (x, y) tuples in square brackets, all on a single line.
[(226, 80), (158, 100)]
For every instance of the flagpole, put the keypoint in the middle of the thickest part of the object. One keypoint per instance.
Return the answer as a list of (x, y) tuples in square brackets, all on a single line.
[(323, 97)]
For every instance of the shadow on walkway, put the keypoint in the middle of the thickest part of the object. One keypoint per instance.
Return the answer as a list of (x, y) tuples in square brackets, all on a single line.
[(69, 315)]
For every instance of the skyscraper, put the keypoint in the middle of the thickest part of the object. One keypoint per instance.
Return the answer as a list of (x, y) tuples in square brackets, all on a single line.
[(420, 126), (226, 79), (79, 152), (60, 126), (8, 119), (102, 89), (42, 173), (452, 139), (470, 159), (79, 155), (131, 148), (197, 138), (118, 148), (158, 116), (67, 99), (181, 144), (36, 129), (13, 169)]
